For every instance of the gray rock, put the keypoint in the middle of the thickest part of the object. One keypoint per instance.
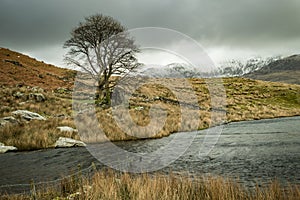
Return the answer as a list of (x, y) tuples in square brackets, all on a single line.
[(66, 129), (62, 90), (8, 120), (39, 97), (139, 108), (68, 142), (4, 148), (27, 115), (37, 89), (3, 122), (61, 116), (18, 95)]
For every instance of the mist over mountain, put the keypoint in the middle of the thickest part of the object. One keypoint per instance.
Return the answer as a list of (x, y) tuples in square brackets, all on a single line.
[(173, 70), (274, 69), (17, 68), (238, 68)]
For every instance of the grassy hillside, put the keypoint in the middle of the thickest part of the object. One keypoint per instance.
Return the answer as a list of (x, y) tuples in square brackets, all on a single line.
[(22, 70)]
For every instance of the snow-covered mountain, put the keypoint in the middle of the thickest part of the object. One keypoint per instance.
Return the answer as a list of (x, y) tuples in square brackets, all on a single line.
[(285, 70), (238, 68)]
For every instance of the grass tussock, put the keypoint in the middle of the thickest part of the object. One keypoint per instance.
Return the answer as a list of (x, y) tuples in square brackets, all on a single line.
[(112, 185)]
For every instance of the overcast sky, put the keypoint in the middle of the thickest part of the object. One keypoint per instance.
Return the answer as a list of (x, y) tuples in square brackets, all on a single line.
[(226, 29)]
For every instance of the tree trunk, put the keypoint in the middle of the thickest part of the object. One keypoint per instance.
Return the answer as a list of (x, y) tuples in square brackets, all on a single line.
[(103, 96), (107, 93)]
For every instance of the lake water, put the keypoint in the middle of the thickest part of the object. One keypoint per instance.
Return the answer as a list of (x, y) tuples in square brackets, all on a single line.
[(252, 151)]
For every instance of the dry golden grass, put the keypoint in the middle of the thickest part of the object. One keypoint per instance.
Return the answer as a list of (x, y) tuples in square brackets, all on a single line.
[(112, 185), (35, 134), (245, 100), (54, 105)]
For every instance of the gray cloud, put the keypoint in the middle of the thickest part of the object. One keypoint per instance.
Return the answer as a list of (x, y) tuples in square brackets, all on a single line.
[(33, 25)]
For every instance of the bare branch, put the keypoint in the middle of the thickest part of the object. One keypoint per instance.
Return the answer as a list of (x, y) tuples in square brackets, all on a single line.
[(101, 47)]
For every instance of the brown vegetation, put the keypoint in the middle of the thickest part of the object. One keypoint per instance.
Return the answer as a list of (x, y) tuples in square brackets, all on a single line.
[(22, 70), (112, 185)]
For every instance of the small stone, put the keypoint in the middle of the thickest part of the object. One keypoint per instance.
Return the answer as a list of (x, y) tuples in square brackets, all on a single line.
[(4, 148), (156, 98), (27, 115), (68, 142), (37, 97), (3, 122), (10, 119), (7, 120), (139, 108), (18, 95), (36, 89), (66, 129)]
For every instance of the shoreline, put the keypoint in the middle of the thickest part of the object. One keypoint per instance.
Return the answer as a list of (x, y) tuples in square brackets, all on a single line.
[(141, 139)]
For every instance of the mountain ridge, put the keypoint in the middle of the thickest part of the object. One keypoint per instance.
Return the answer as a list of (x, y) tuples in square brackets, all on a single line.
[(286, 70)]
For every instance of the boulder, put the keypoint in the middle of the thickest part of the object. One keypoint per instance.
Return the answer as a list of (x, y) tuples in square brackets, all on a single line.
[(68, 142), (4, 148), (27, 115), (66, 129)]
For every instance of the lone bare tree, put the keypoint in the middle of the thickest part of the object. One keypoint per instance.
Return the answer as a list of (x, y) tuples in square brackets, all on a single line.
[(101, 47)]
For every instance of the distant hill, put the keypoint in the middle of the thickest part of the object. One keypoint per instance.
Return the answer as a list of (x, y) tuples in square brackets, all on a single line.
[(286, 70), (21, 70)]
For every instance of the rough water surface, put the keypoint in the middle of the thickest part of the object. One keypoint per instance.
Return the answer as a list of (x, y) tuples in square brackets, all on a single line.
[(252, 151)]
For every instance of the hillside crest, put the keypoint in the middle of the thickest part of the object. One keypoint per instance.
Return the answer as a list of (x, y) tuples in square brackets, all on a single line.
[(17, 69)]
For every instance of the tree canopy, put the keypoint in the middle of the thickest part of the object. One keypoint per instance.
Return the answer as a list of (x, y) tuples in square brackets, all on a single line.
[(101, 47)]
